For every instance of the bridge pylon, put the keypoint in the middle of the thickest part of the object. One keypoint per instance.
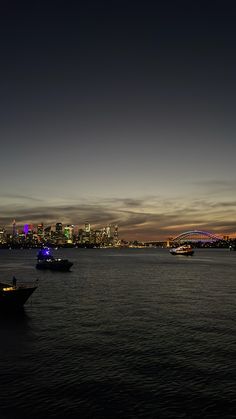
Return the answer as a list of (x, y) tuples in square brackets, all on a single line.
[(168, 242)]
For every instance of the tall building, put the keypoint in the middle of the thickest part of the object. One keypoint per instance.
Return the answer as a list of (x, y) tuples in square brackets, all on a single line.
[(40, 231), (47, 233), (87, 227), (58, 229), (108, 231), (68, 233), (26, 229), (2, 235), (116, 234), (58, 235), (112, 233), (14, 231)]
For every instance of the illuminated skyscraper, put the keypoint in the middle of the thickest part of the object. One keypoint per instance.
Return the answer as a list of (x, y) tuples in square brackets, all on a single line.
[(2, 235), (59, 233), (112, 233), (40, 231), (47, 233), (87, 227), (116, 234), (68, 233), (26, 229), (58, 229)]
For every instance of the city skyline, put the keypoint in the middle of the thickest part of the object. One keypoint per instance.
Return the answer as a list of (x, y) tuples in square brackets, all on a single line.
[(23, 227), (87, 235), (119, 113)]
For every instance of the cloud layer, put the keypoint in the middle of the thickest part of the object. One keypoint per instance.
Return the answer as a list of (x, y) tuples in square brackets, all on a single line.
[(143, 218)]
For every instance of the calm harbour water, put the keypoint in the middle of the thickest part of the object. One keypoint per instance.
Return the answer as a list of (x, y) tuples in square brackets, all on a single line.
[(133, 333)]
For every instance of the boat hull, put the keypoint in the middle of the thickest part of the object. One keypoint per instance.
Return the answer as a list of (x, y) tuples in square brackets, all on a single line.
[(14, 298), (187, 253), (54, 265)]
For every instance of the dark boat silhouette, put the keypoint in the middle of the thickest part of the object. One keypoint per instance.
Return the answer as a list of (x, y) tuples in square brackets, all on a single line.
[(13, 297), (45, 260)]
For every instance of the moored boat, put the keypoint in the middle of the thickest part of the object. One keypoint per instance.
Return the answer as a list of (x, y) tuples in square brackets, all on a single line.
[(185, 250), (13, 297), (45, 260)]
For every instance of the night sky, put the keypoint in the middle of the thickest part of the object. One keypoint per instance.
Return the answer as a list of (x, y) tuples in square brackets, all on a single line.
[(119, 112)]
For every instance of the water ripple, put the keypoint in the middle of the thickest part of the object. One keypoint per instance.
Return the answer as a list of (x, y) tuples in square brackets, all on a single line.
[(127, 334)]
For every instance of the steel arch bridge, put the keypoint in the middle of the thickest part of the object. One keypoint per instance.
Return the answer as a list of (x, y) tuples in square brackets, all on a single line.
[(196, 235)]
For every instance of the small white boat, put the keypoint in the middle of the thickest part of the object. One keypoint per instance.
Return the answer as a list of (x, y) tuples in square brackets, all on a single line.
[(185, 250)]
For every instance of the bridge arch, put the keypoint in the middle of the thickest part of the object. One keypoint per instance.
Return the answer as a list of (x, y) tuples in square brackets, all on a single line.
[(196, 235)]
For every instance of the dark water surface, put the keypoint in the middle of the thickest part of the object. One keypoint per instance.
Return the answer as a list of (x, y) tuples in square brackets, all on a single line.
[(134, 333)]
